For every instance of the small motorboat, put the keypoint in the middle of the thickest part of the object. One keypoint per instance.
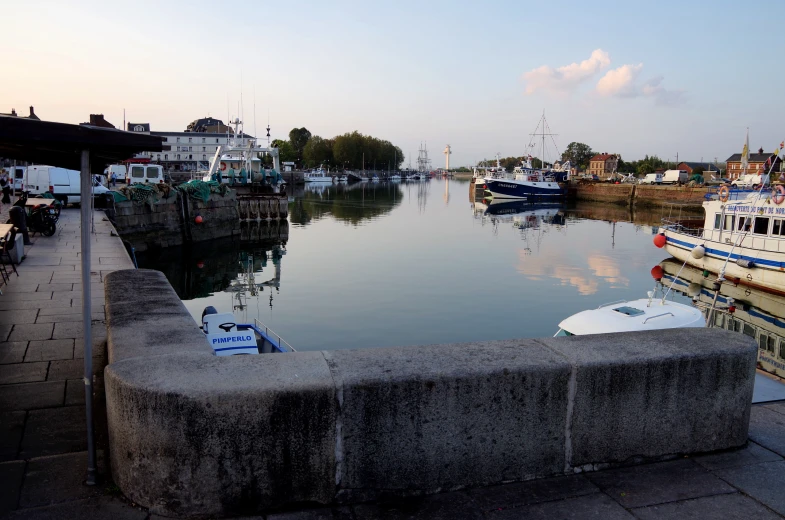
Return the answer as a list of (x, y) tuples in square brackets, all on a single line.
[(227, 337), (629, 316)]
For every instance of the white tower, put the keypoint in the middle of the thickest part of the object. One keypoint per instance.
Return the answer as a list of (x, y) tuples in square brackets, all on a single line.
[(447, 153)]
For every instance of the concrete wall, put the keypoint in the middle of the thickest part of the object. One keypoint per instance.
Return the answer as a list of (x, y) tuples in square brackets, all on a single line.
[(194, 434), (638, 195)]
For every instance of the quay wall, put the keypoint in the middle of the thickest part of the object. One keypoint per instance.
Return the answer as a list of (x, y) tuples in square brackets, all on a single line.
[(195, 434), (171, 221), (638, 195)]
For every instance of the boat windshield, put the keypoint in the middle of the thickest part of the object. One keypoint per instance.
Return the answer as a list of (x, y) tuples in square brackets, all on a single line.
[(563, 332), (629, 311)]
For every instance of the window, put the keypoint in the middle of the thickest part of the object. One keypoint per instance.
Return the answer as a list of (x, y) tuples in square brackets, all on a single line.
[(778, 227), (782, 349), (216, 141), (204, 157), (771, 345), (166, 157), (152, 172), (761, 226), (137, 172), (166, 139), (744, 223), (178, 156), (190, 156), (204, 148), (204, 140), (189, 139), (730, 220), (717, 220), (178, 139)]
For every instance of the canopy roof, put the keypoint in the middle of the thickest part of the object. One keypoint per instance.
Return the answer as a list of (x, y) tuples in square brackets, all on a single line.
[(61, 144)]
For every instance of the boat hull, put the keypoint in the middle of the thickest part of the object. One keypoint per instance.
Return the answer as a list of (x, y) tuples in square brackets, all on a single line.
[(767, 273), (525, 190)]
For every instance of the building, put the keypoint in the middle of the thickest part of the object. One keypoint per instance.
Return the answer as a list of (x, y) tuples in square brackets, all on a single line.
[(758, 163), (191, 150), (98, 120), (14, 114), (708, 168), (603, 165), (7, 163)]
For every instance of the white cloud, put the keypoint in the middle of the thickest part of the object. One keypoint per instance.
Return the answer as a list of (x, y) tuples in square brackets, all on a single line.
[(622, 82), (567, 77)]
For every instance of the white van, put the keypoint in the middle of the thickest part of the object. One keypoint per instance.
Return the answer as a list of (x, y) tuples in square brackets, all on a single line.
[(62, 183), (118, 169), (652, 178), (144, 173), (674, 176), (751, 180)]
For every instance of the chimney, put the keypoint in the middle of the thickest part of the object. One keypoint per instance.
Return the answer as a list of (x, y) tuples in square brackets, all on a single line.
[(13, 112), (32, 114), (760, 150)]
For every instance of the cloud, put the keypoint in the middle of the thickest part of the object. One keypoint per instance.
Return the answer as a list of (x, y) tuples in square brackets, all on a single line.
[(567, 77), (623, 82)]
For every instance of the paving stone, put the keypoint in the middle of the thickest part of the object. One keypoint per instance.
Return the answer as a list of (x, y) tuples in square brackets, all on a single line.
[(658, 483), (778, 407), (56, 287), (30, 396), (751, 454), (20, 316), (727, 507), (588, 507), (23, 373), (764, 482), (444, 506), (12, 352), (72, 329), (70, 369), (26, 297), (96, 508), (63, 309), (11, 476), (767, 428), (28, 286), (11, 427), (531, 492), (39, 304), (74, 392), (56, 479), (42, 261), (50, 350), (97, 315), (343, 513), (5, 330), (54, 431), (28, 332)]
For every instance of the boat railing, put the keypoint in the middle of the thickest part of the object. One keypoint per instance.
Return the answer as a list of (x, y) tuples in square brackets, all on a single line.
[(272, 336), (712, 193), (658, 316)]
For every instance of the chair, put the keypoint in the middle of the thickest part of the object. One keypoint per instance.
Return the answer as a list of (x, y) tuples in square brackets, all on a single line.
[(6, 245)]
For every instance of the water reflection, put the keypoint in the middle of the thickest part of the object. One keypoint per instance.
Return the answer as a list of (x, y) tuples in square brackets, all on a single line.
[(756, 313), (352, 203)]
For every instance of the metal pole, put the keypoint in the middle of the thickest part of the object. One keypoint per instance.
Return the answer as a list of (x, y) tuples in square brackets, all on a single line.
[(86, 188)]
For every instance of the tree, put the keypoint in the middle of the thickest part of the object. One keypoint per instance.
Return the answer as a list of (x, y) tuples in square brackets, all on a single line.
[(318, 151), (286, 151), (579, 155), (298, 137)]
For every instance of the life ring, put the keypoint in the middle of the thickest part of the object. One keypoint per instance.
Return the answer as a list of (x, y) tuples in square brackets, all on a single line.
[(223, 166), (778, 194), (724, 193)]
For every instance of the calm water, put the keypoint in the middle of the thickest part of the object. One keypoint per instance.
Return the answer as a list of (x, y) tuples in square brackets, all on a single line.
[(371, 265)]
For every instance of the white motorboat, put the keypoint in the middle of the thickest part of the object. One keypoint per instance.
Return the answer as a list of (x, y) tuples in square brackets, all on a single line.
[(317, 175), (629, 316), (228, 338)]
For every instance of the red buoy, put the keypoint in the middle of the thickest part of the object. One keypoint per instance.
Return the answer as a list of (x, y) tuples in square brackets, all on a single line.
[(200, 264), (657, 272), (198, 219), (659, 240)]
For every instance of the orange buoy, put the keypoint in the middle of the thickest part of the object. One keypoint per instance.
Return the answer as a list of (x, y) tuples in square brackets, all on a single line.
[(659, 240), (198, 219), (657, 272)]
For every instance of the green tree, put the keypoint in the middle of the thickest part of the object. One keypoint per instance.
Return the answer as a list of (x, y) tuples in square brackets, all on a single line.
[(579, 155), (318, 151), (299, 137), (286, 151)]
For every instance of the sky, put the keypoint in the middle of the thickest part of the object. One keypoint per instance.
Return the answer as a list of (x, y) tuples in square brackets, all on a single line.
[(660, 78)]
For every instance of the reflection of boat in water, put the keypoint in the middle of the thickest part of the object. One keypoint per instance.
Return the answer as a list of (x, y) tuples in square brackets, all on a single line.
[(508, 207), (756, 313)]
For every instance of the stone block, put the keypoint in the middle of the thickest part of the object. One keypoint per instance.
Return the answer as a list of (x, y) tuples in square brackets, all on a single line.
[(49, 350), (647, 394), (164, 327), (54, 431), (727, 507), (225, 434), (750, 454), (12, 352), (507, 496), (445, 506), (28, 331), (429, 418), (29, 396), (11, 428), (11, 475), (23, 373), (55, 479)]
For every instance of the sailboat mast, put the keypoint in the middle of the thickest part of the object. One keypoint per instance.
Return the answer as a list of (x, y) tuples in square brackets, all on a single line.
[(542, 153)]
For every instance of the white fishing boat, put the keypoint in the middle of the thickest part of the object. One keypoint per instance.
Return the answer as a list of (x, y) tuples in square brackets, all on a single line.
[(742, 240), (227, 337), (629, 316), (318, 175), (395, 177)]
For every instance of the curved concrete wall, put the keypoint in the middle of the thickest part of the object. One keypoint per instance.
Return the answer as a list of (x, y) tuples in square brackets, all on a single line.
[(195, 434)]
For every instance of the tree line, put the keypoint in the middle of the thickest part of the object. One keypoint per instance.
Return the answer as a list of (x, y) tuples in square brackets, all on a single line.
[(351, 150)]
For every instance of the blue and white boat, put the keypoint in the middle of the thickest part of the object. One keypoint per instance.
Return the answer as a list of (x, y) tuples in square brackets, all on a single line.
[(742, 240), (526, 184), (227, 337)]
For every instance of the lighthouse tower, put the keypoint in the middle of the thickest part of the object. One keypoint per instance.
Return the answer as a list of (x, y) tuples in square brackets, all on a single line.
[(447, 153)]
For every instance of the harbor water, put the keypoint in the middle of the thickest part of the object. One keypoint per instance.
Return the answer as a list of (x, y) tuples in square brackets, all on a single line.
[(414, 263)]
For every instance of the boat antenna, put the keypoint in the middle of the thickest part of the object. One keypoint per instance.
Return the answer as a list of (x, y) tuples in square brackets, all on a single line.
[(256, 136)]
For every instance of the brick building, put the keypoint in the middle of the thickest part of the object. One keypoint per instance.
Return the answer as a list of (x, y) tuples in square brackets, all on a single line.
[(708, 168), (758, 163), (603, 165)]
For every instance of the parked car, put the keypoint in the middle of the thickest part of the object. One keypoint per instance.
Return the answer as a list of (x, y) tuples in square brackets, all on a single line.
[(750, 180)]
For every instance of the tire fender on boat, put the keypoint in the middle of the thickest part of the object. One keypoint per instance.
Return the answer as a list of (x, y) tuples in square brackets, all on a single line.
[(778, 194)]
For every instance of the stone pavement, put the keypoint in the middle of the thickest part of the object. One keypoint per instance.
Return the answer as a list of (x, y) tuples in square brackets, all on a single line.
[(43, 443)]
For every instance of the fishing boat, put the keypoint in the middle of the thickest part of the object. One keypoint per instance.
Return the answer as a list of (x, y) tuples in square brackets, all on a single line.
[(629, 316), (741, 240), (318, 175)]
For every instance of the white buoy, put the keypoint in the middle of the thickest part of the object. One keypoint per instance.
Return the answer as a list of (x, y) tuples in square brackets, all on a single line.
[(698, 252)]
